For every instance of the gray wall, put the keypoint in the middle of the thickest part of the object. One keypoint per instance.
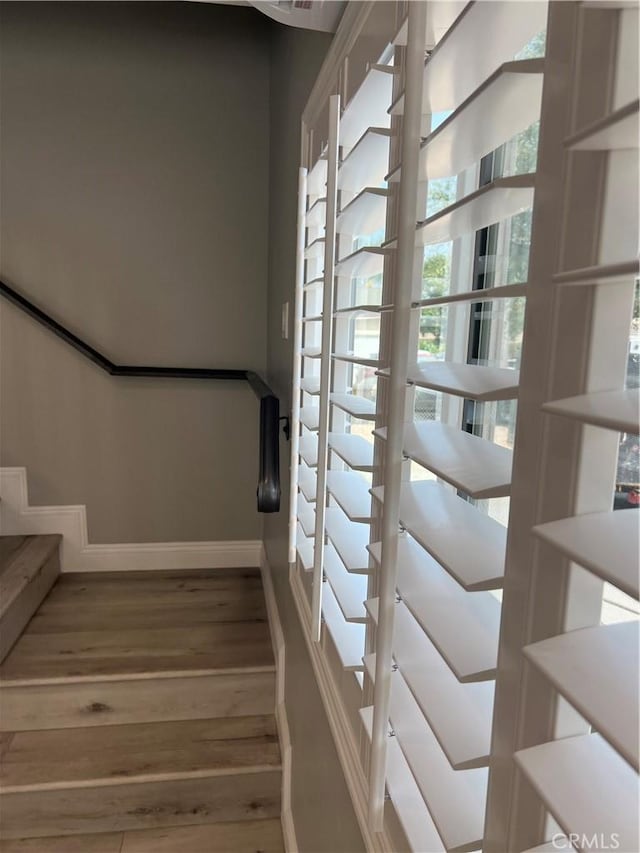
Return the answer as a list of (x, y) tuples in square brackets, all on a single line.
[(149, 182), (324, 818), (134, 202)]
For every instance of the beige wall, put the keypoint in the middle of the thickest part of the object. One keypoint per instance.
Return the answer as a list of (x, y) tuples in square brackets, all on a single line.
[(324, 818), (134, 199)]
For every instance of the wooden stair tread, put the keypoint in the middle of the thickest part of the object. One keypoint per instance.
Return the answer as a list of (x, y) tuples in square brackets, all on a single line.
[(108, 625), (184, 609), (140, 752), (224, 647), (229, 837), (23, 563)]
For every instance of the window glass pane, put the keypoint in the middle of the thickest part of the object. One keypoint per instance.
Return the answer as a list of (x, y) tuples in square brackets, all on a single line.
[(441, 192), (521, 152), (367, 291), (432, 338), (436, 270), (373, 239), (534, 48)]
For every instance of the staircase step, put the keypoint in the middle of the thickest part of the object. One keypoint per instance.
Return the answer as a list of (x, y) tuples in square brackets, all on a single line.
[(113, 648), (140, 776), (114, 625), (135, 700), (236, 837), (94, 603), (29, 566)]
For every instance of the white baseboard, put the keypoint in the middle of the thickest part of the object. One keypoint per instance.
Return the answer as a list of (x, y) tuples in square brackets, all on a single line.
[(77, 555), (277, 639), (346, 746)]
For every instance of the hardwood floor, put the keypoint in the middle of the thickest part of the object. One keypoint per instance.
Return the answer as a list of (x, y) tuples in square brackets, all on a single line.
[(137, 716)]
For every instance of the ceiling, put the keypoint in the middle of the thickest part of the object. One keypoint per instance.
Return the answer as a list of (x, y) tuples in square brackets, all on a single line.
[(321, 15)]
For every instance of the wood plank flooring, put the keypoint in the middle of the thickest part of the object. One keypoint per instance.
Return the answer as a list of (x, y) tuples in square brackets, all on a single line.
[(114, 624), (137, 715), (79, 757), (107, 702)]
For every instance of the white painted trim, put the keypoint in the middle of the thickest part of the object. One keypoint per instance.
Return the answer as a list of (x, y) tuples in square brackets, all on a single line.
[(351, 24), (346, 746), (77, 554), (277, 640)]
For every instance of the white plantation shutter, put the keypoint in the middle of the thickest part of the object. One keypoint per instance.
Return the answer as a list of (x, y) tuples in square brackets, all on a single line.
[(461, 406), (580, 760), (437, 575)]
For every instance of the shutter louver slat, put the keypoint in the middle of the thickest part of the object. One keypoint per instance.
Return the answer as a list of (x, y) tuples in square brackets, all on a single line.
[(308, 449), (368, 107), (316, 214), (505, 104), (358, 407), (354, 449), (448, 81), (619, 130), (306, 516), (463, 626), (304, 547), (458, 714), (311, 352), (605, 543), (351, 493), (494, 202), (350, 590), (440, 17), (366, 164), (475, 382), (596, 669), (405, 795), (473, 465), (617, 410), (352, 358), (309, 417), (587, 787), (307, 483), (350, 540), (315, 249), (468, 544), (348, 637), (310, 385), (317, 178), (365, 214), (455, 798), (354, 311), (367, 261), (315, 282)]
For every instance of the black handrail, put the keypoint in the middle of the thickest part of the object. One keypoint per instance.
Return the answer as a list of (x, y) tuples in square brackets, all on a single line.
[(269, 474)]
